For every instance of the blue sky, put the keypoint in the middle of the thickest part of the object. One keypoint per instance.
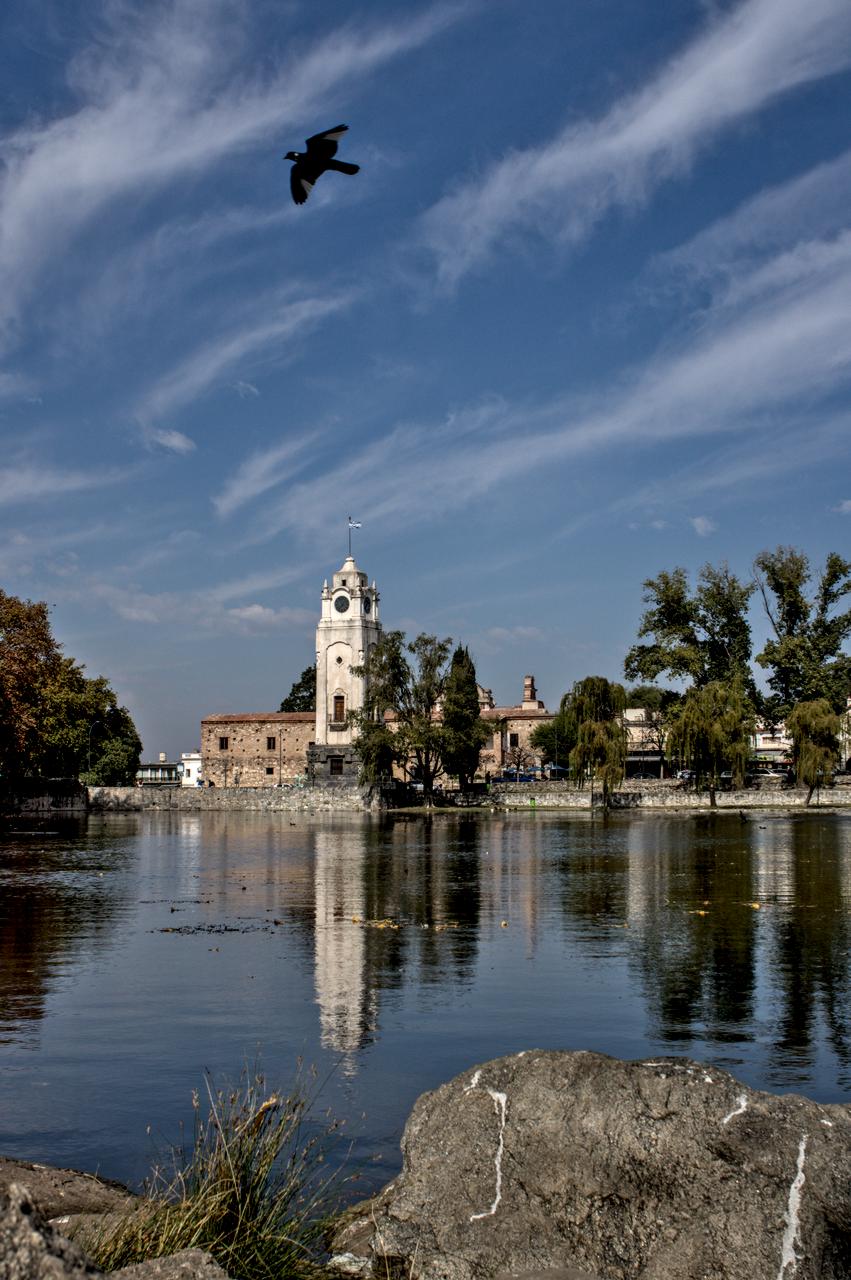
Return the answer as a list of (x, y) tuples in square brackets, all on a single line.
[(584, 314)]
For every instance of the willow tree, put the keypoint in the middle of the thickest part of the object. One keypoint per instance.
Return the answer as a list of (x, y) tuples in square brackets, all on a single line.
[(597, 706), (711, 731), (814, 727)]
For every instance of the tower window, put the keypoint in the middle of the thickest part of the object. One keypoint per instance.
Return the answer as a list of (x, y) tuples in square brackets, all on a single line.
[(339, 708), (269, 772), (271, 743), (514, 740), (223, 744), (335, 765)]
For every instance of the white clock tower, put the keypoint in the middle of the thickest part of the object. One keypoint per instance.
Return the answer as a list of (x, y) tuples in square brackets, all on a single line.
[(347, 630)]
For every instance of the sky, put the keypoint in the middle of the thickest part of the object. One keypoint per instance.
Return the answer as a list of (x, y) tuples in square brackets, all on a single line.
[(583, 315)]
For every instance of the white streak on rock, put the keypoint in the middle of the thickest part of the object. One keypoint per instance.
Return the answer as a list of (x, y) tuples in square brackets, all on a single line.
[(788, 1256), (500, 1102), (741, 1105), (708, 1080), (829, 1123), (475, 1080)]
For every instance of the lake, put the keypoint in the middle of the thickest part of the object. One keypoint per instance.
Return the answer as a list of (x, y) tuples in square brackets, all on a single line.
[(139, 951)]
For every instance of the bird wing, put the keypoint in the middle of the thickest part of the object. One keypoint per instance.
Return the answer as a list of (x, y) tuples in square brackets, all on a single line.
[(299, 185), (325, 143)]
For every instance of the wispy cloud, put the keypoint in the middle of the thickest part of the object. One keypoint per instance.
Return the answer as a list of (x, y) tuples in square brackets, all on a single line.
[(276, 322), (563, 188), (844, 508), (702, 525), (745, 374), (161, 98), (33, 482), (263, 471)]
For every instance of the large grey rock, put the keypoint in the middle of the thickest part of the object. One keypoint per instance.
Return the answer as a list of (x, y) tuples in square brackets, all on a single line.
[(656, 1170), (58, 1192), (30, 1249)]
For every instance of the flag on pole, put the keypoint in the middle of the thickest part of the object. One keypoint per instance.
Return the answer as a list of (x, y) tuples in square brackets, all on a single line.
[(354, 524)]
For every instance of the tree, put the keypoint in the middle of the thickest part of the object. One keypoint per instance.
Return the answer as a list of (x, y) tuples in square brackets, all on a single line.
[(302, 695), (519, 759), (804, 656), (54, 721), (597, 706), (465, 732), (712, 731), (412, 691), (28, 657), (814, 727), (698, 636)]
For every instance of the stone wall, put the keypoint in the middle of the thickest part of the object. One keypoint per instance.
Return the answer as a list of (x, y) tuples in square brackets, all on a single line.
[(664, 794), (286, 799)]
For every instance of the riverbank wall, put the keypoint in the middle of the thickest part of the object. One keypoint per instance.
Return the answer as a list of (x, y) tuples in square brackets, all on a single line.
[(646, 795)]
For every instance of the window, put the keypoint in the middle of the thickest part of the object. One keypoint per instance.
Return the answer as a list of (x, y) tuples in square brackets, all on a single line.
[(271, 743), (339, 708), (335, 765), (223, 744), (269, 771), (514, 740)]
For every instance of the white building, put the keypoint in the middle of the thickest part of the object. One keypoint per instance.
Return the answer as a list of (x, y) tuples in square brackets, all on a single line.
[(192, 774)]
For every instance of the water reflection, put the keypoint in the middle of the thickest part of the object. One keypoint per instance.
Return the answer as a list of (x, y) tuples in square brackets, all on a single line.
[(395, 953), (58, 902)]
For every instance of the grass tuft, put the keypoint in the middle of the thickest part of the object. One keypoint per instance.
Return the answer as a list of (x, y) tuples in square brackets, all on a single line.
[(252, 1189)]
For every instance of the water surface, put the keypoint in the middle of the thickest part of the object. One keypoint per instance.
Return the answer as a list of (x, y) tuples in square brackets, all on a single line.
[(138, 951)]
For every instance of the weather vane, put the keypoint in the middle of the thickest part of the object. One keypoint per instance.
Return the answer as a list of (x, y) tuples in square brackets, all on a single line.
[(353, 524)]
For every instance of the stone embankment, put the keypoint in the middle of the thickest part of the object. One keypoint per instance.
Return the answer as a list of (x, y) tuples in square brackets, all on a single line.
[(664, 794), (574, 1164)]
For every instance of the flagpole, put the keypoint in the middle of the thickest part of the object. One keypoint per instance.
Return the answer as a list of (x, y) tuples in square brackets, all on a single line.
[(350, 537)]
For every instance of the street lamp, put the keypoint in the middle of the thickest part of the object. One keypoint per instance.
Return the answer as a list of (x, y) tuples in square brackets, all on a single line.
[(89, 746)]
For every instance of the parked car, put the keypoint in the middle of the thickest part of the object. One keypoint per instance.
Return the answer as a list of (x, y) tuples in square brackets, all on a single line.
[(644, 777), (685, 775)]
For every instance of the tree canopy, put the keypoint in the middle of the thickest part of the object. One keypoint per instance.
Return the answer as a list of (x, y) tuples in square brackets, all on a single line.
[(804, 655), (302, 695), (465, 732), (597, 706), (698, 635), (54, 720)]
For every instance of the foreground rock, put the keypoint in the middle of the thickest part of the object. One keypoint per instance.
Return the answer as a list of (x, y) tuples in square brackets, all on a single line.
[(32, 1249), (657, 1170), (61, 1192)]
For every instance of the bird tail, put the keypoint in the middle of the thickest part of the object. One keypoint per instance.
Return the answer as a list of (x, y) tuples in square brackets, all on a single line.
[(342, 166)]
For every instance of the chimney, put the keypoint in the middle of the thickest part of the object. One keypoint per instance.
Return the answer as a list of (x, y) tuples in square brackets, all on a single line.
[(530, 693), (163, 757)]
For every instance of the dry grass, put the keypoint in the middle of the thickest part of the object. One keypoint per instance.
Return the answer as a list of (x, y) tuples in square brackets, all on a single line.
[(252, 1190)]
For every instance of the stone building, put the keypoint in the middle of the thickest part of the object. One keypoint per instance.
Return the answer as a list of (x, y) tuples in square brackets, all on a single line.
[(510, 745)]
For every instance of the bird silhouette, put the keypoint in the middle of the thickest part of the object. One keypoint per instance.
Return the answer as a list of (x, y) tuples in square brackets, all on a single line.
[(311, 164)]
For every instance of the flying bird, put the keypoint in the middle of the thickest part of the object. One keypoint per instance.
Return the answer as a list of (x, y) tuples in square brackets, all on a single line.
[(311, 164)]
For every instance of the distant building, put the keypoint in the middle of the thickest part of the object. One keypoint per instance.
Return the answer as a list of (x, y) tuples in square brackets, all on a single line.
[(161, 773)]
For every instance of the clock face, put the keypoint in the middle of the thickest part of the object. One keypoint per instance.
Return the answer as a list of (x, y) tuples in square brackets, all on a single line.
[(367, 604), (341, 604)]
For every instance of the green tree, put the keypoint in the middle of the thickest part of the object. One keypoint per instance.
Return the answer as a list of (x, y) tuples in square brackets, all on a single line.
[(699, 636), (597, 706), (54, 720), (29, 655), (302, 695), (804, 656), (408, 680), (814, 727), (465, 732), (658, 706), (711, 731)]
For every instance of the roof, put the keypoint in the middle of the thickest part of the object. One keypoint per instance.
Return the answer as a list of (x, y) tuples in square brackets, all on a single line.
[(516, 713), (263, 717)]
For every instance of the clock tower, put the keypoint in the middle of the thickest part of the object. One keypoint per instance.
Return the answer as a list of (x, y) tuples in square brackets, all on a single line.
[(347, 630)]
